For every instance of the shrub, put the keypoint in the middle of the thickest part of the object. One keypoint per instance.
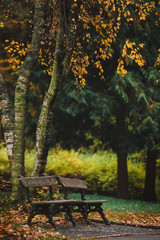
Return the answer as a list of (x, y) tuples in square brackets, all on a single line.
[(4, 163), (136, 178), (99, 170)]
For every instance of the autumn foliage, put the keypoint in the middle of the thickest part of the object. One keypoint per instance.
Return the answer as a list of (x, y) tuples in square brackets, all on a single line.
[(97, 25)]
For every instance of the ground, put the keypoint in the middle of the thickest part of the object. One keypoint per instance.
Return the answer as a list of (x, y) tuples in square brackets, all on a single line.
[(13, 225)]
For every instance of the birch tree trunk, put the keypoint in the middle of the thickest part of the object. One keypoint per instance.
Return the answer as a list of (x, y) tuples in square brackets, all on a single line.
[(20, 97), (7, 118), (62, 56), (50, 96)]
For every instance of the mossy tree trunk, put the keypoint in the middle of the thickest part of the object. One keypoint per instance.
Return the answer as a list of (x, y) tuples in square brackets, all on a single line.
[(7, 118), (20, 98), (61, 65)]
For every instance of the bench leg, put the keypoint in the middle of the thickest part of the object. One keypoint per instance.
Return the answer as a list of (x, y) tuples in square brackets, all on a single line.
[(47, 211), (68, 211), (32, 214), (84, 212), (49, 216), (44, 210), (100, 210), (93, 208), (86, 218)]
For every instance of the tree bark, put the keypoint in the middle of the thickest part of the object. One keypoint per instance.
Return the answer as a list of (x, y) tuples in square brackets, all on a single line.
[(7, 118), (20, 97), (61, 67), (122, 174), (149, 193), (50, 96), (122, 152), (43, 143)]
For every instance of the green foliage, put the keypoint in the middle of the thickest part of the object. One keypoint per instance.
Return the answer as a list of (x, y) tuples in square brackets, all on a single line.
[(99, 170), (4, 163), (136, 175), (138, 156)]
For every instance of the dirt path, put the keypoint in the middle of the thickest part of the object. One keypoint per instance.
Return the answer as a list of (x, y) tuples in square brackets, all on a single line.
[(100, 231)]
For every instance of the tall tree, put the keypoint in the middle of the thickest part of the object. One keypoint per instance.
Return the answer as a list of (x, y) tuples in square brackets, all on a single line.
[(62, 55), (17, 164)]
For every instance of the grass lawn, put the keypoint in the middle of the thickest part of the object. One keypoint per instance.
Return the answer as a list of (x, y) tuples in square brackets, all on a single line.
[(120, 205)]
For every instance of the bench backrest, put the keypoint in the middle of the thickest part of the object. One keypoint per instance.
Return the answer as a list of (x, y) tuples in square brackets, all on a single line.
[(44, 181), (38, 182), (72, 183)]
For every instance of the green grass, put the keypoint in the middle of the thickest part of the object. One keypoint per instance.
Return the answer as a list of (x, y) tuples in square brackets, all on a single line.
[(120, 205)]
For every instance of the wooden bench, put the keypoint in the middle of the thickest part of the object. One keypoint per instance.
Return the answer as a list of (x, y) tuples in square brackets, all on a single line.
[(48, 207), (83, 206)]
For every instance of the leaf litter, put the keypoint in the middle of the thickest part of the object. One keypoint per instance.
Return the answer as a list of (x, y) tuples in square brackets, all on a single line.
[(13, 223)]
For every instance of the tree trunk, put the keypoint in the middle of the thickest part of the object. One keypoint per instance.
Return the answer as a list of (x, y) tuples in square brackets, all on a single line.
[(20, 98), (43, 145), (122, 152), (149, 193), (60, 70), (50, 97), (7, 118), (122, 174)]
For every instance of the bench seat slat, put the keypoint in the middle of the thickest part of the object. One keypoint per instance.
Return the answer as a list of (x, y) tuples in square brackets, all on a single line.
[(54, 202), (92, 201)]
